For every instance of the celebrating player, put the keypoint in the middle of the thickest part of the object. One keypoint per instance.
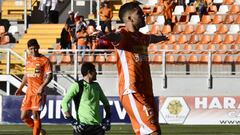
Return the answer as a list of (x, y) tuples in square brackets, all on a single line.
[(38, 73), (135, 83)]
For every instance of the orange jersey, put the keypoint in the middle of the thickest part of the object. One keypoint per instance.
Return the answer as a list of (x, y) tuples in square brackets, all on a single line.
[(135, 84), (36, 69), (132, 63)]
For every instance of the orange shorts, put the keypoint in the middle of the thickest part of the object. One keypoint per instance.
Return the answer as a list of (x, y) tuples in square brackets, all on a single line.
[(33, 102), (143, 115)]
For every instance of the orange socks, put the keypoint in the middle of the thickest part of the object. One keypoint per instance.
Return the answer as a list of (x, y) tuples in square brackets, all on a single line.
[(37, 127)]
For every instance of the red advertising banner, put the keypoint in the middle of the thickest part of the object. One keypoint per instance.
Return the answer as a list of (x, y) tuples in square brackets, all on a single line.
[(200, 110)]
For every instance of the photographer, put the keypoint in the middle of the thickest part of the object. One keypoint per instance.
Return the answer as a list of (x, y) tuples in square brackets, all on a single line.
[(86, 95)]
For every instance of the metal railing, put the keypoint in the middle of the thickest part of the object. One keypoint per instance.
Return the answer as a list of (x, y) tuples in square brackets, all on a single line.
[(164, 67)]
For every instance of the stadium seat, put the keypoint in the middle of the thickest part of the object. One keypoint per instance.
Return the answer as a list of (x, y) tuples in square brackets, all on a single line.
[(212, 9), (66, 59), (228, 59), (88, 58), (200, 29), (156, 29), (13, 30), (177, 29), (237, 61), (153, 48), (203, 59), (195, 19), (222, 49), (190, 9), (228, 2), (234, 9), (160, 20), (181, 59), (217, 19), (237, 41), (193, 59), (228, 39), (172, 39), (234, 48), (111, 58), (182, 39), (233, 29), (206, 19), (217, 1), (198, 49), (53, 59), (164, 47), (151, 2), (237, 2), (237, 20), (211, 29), (217, 39), (157, 59), (209, 2), (193, 39), (80, 59), (176, 48), (150, 19), (187, 48), (223, 9), (144, 29), (205, 39), (178, 10), (217, 59), (228, 19), (170, 59), (189, 29), (222, 29), (166, 29), (211, 47), (100, 59)]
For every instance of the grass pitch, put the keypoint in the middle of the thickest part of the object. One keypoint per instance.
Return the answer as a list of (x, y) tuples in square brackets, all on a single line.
[(127, 130)]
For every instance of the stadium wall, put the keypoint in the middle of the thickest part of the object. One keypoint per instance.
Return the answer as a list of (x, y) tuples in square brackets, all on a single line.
[(187, 110)]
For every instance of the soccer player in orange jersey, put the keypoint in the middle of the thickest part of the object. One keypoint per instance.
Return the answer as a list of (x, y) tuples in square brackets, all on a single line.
[(135, 83), (38, 73)]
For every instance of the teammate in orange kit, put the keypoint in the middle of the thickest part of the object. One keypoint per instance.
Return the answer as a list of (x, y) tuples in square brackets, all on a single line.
[(135, 83), (38, 73)]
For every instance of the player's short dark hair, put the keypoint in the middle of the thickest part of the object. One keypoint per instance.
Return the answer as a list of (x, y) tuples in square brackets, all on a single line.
[(127, 7), (32, 42), (87, 67)]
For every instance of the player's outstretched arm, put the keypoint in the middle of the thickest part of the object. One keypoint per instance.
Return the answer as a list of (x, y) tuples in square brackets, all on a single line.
[(24, 82), (158, 38), (114, 37)]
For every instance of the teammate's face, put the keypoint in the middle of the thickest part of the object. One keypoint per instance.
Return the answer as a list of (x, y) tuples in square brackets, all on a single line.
[(33, 50), (138, 18)]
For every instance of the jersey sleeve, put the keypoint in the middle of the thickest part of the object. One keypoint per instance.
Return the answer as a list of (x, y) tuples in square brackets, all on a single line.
[(71, 92), (102, 97)]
